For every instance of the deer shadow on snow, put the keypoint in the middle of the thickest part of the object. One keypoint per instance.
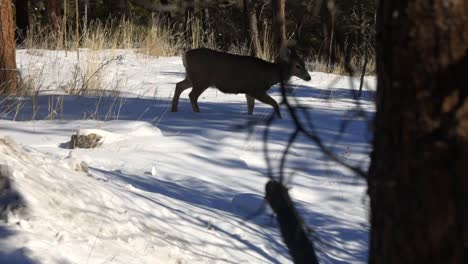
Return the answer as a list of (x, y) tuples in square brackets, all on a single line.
[(216, 121)]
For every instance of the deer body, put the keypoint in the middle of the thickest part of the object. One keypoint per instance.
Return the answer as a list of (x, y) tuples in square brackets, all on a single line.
[(235, 74)]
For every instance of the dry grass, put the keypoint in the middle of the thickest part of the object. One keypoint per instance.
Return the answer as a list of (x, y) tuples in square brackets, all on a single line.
[(356, 63), (200, 37), (87, 75), (157, 39), (85, 78), (265, 43)]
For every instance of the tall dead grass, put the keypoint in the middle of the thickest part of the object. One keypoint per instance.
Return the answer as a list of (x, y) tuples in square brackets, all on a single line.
[(344, 65), (159, 39), (156, 39)]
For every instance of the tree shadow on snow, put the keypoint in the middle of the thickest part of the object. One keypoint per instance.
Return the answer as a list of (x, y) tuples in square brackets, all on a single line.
[(216, 121), (19, 255), (218, 200), (327, 94), (207, 196)]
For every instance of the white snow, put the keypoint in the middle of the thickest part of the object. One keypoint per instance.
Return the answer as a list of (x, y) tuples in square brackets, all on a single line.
[(169, 187)]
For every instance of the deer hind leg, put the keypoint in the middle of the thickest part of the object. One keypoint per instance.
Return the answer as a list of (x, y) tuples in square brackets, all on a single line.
[(180, 87), (194, 94), (250, 104), (265, 98)]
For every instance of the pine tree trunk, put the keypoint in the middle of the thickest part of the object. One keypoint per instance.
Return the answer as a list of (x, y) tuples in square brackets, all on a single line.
[(279, 24), (8, 76), (418, 177), (251, 26), (22, 20), (327, 18), (245, 20)]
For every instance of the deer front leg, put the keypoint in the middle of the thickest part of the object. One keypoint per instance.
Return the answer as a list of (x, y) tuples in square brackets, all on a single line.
[(250, 104), (265, 98)]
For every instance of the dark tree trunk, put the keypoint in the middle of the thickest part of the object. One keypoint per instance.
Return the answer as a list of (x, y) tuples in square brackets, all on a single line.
[(418, 177), (54, 13), (85, 16), (8, 76), (22, 20), (251, 26), (188, 19), (363, 73), (166, 12), (245, 20), (327, 18), (279, 24), (205, 19)]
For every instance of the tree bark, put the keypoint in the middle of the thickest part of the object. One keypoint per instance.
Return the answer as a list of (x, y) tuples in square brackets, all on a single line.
[(188, 19), (204, 19), (54, 13), (327, 18), (245, 20), (8, 76), (22, 20), (85, 18), (251, 26), (279, 24), (418, 177), (164, 8)]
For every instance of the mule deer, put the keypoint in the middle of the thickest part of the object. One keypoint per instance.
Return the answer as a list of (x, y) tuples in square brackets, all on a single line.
[(235, 74)]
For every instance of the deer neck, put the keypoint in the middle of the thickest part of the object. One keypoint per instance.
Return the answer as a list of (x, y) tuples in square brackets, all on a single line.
[(282, 73)]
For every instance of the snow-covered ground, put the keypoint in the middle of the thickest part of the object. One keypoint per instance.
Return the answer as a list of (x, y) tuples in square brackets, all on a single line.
[(172, 187)]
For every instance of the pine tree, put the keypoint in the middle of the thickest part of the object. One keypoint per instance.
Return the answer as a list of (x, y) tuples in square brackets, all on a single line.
[(8, 74), (418, 177)]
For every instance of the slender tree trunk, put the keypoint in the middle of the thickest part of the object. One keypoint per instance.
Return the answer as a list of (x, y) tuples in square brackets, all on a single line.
[(54, 13), (85, 18), (299, 25), (77, 22), (245, 20), (363, 73), (64, 23), (22, 20), (8, 76), (251, 26), (279, 24), (327, 17), (418, 177), (164, 4), (188, 19), (205, 19), (253, 29)]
